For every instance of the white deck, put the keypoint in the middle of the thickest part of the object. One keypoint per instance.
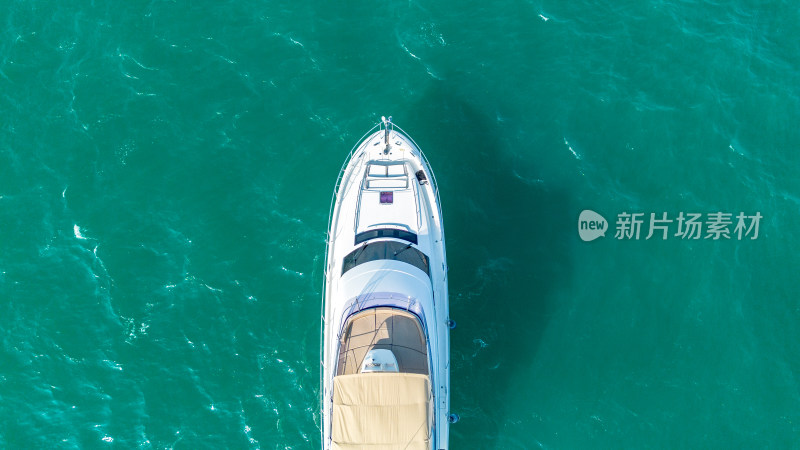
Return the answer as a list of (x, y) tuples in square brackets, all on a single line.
[(414, 208)]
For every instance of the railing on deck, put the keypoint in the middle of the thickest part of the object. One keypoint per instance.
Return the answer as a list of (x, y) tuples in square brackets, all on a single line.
[(325, 284)]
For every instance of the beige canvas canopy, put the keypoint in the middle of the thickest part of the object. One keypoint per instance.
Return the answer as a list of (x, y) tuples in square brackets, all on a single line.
[(390, 411)]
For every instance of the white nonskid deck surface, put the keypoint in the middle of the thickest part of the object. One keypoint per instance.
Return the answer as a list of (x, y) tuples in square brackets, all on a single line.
[(401, 213)]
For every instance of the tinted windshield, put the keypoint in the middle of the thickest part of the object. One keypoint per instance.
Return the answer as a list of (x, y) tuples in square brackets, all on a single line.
[(392, 250), (384, 233)]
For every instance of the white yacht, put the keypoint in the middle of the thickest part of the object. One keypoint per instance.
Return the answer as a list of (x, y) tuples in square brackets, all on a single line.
[(385, 345)]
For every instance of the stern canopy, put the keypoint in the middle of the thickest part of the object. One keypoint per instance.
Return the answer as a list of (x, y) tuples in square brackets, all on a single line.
[(390, 411)]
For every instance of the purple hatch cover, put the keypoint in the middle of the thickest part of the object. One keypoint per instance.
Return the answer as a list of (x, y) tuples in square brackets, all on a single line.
[(387, 197)]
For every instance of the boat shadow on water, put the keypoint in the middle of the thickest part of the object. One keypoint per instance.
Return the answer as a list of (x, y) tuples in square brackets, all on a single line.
[(508, 256)]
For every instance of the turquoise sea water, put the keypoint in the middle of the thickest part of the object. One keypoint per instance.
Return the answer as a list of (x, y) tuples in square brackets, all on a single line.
[(165, 176)]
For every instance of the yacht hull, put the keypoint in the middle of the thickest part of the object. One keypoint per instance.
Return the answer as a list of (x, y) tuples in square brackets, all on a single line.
[(386, 249)]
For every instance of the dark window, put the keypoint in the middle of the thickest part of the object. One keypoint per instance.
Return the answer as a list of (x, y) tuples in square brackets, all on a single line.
[(386, 233), (395, 251)]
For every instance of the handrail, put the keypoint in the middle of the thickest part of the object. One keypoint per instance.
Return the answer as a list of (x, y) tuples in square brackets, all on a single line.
[(325, 279), (441, 231), (433, 176), (383, 299)]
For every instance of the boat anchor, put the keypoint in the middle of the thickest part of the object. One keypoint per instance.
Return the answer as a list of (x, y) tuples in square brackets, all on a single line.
[(386, 124)]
